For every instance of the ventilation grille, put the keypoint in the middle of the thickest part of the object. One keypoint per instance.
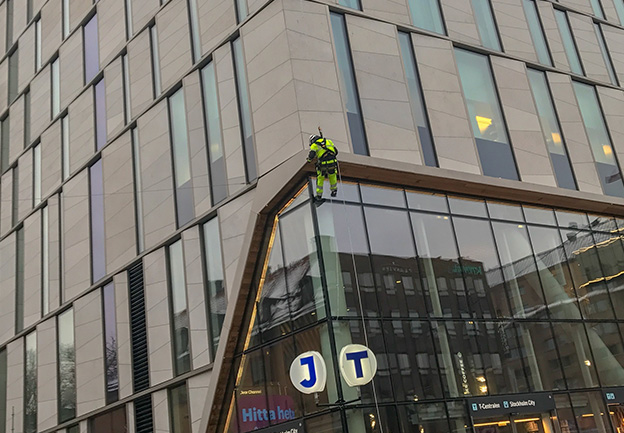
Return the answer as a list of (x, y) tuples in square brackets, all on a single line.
[(143, 414), (140, 365)]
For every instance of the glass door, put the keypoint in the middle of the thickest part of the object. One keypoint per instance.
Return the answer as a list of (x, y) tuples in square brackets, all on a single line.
[(532, 423), (616, 413)]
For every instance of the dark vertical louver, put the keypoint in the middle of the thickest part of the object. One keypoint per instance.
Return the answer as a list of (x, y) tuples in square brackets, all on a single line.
[(143, 414), (138, 329)]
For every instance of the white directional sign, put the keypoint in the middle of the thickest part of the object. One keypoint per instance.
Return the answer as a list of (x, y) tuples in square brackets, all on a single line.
[(358, 364), (308, 372)]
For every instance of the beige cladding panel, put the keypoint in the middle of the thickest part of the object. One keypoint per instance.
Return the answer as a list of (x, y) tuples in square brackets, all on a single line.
[(142, 12), (26, 65), (25, 184), (76, 245), (51, 159), (71, 68), (90, 380), (6, 212), (160, 405), (197, 142), (271, 88), (195, 293), (15, 386), (589, 50), (383, 91), (7, 280), (156, 175), (119, 218), (460, 21), (608, 6), (614, 39), (157, 314), (198, 391), (230, 122), (318, 97), (216, 18), (140, 72), (81, 130), (579, 5), (111, 28), (396, 11), (19, 17), (174, 44), (553, 37), (254, 6), (40, 102), (124, 341), (32, 269), (443, 96), (113, 87), (51, 28), (574, 134), (514, 29), (78, 11), (47, 402)]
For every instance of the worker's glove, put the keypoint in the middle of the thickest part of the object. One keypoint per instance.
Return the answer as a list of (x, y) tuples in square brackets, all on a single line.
[(308, 160)]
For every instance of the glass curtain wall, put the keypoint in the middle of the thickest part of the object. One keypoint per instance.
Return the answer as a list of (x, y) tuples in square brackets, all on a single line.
[(457, 297)]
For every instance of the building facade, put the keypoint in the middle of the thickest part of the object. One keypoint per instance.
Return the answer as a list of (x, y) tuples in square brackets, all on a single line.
[(163, 262)]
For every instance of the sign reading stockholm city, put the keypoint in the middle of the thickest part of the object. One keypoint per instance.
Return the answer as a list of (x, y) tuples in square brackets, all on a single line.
[(357, 363)]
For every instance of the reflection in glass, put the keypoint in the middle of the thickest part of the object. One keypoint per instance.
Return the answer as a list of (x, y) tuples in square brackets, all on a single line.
[(155, 60), (138, 189), (179, 310), (98, 237), (606, 345), (575, 354), (348, 87), (417, 102), (179, 409), (249, 149), (110, 422), (370, 419), (537, 32), (505, 211), (590, 412), (66, 366), (540, 356), (427, 201), (91, 50), (37, 174), (19, 276), (572, 220), (181, 159), (605, 54), (241, 10), (110, 344), (30, 384), (100, 115), (353, 4), (611, 256), (426, 15), (216, 157), (485, 24), (216, 295), (550, 127), (568, 42), (56, 88), (485, 114), (597, 8), (383, 196), (619, 6), (12, 87), (282, 397)]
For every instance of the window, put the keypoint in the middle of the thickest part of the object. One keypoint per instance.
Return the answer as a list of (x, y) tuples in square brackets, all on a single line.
[(91, 51), (216, 295), (19, 275), (66, 366), (485, 114), (537, 32), (65, 145), (27, 118), (550, 127), (37, 174), (241, 10), (353, 4), (110, 344), (181, 159), (65, 18), (599, 140), (619, 6), (179, 410), (485, 24), (113, 421), (129, 27), (426, 15), (249, 150), (13, 74), (138, 189), (348, 87), (9, 23), (597, 8), (179, 310), (605, 54), (56, 88), (100, 114), (155, 61), (126, 88), (416, 100), (15, 195), (216, 156), (45, 266), (30, 384), (38, 44), (568, 42), (195, 36), (98, 242)]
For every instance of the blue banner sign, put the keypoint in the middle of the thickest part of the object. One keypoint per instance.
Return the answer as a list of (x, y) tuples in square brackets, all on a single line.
[(510, 404)]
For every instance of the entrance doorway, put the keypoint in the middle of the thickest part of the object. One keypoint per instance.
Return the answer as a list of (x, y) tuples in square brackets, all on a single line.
[(524, 423), (616, 413)]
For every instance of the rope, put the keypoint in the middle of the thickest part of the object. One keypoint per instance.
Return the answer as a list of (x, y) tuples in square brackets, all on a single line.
[(357, 285)]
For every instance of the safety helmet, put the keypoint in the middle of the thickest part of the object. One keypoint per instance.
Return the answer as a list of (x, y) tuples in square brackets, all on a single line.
[(313, 138)]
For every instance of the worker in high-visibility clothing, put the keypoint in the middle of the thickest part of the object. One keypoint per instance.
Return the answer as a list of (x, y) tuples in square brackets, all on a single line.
[(324, 151)]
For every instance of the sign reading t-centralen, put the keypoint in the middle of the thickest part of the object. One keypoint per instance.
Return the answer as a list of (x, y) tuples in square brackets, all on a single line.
[(506, 404)]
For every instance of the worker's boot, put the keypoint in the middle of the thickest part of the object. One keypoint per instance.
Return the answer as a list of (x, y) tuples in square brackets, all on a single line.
[(334, 193)]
